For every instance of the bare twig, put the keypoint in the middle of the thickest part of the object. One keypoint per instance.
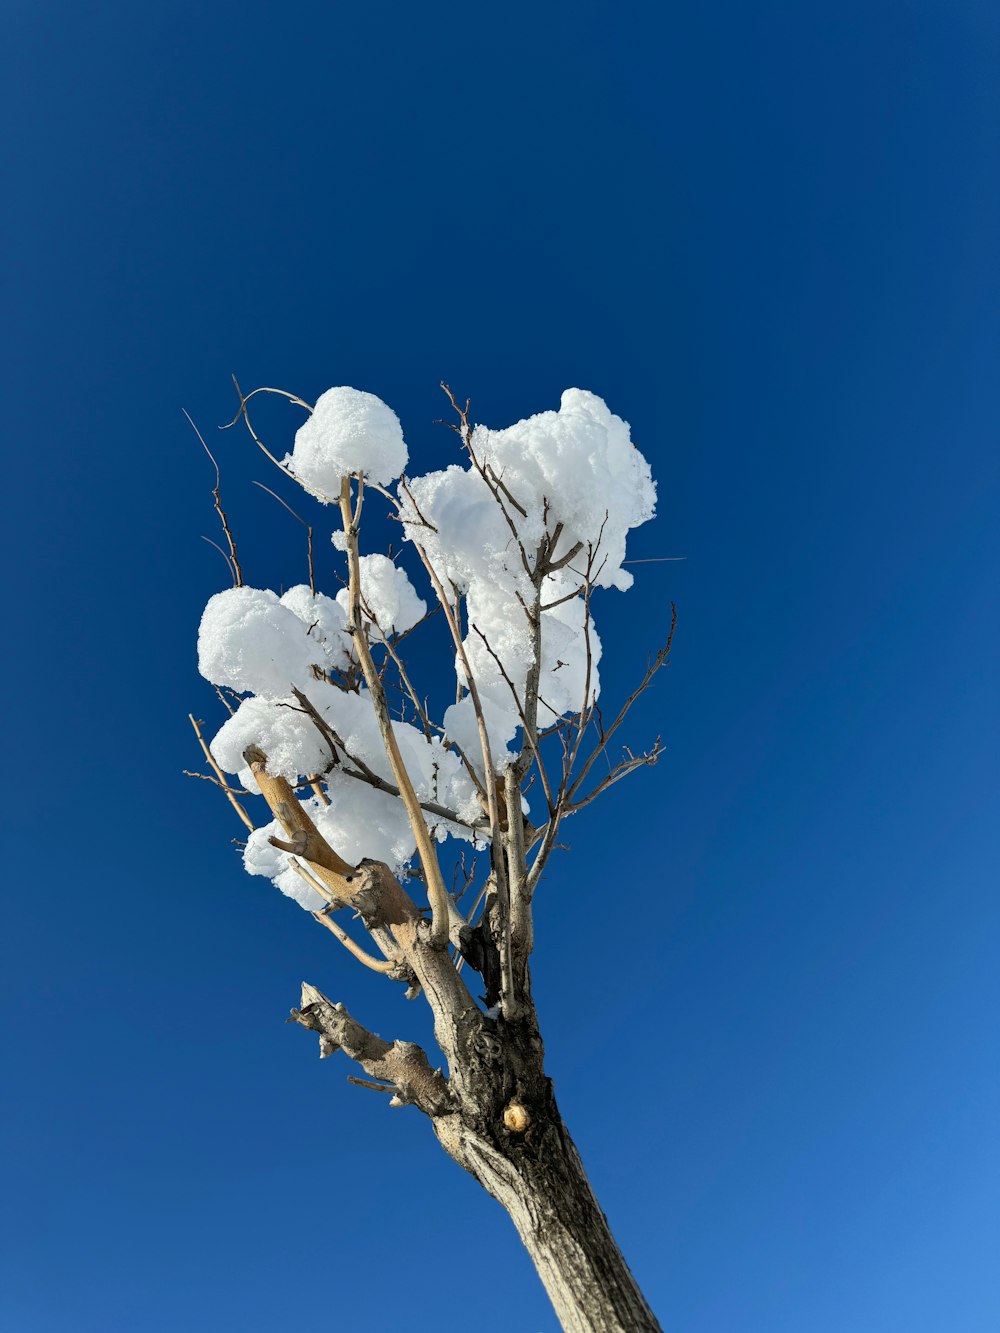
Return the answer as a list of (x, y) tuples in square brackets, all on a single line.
[(307, 526), (219, 774), (621, 770), (234, 559), (208, 777), (244, 399), (659, 660), (229, 564), (383, 965), (370, 1083), (282, 393), (224, 701)]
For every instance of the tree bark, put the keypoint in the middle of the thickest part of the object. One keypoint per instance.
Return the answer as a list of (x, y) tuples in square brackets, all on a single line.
[(497, 1117), (507, 1132), (537, 1176)]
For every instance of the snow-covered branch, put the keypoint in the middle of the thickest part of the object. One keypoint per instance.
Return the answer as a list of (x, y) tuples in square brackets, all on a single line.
[(514, 543)]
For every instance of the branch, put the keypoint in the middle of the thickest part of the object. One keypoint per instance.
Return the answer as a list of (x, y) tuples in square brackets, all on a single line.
[(362, 773), (529, 737), (510, 1003), (307, 526), (312, 490), (494, 483), (567, 803), (521, 928), (660, 660), (621, 770), (401, 1063), (237, 572), (387, 966), (436, 892), (220, 775), (305, 839)]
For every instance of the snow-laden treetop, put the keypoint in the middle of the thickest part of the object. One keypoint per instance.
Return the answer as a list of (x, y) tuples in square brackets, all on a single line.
[(510, 544)]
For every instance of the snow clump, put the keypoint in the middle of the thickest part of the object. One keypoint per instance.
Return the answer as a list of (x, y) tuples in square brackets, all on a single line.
[(294, 746), (260, 858), (249, 642), (566, 479), (388, 594), (325, 621), (349, 431)]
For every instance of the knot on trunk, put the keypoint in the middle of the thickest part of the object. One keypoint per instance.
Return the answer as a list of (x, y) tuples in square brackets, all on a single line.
[(516, 1117)]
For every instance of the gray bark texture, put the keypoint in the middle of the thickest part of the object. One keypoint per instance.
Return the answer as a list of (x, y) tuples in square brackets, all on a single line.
[(522, 1154)]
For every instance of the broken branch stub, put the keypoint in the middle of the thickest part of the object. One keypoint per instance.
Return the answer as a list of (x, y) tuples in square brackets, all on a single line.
[(403, 1064)]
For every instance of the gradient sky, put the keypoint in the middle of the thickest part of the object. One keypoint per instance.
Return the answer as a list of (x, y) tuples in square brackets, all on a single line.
[(767, 969)]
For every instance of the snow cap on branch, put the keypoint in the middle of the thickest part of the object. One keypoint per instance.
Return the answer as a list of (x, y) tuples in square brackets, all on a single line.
[(249, 641), (582, 461), (387, 592), (349, 431), (294, 746), (565, 486), (576, 467), (324, 619), (260, 858)]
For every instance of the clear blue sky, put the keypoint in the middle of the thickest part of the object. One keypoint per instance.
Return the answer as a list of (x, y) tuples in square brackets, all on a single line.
[(767, 235)]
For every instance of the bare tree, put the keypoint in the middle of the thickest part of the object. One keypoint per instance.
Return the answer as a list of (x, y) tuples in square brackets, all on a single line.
[(486, 1094)]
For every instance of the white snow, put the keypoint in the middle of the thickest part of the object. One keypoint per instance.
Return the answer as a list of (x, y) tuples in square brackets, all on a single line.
[(461, 726), (578, 478), (292, 742), (250, 642), (388, 594), (324, 619), (349, 431), (260, 858)]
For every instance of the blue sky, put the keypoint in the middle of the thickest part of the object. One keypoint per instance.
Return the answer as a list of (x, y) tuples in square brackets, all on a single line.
[(766, 969)]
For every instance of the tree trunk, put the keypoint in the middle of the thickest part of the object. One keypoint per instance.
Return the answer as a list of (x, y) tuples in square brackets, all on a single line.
[(537, 1176), (495, 1114)]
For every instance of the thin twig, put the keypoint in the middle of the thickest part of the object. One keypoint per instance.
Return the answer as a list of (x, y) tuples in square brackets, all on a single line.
[(307, 526), (370, 1083), (238, 573), (207, 777), (661, 658), (312, 490), (219, 774), (383, 965), (229, 563)]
